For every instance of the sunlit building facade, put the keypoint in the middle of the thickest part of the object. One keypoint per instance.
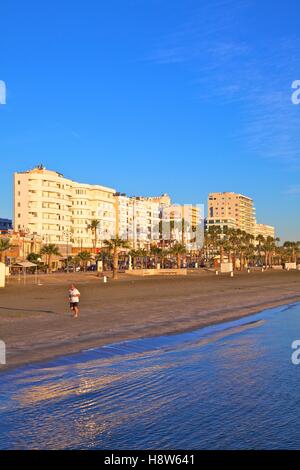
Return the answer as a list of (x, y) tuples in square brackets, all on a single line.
[(232, 210), (59, 209), (137, 220), (265, 230)]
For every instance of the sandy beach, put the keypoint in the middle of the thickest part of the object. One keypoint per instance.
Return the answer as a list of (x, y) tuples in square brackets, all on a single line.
[(36, 324)]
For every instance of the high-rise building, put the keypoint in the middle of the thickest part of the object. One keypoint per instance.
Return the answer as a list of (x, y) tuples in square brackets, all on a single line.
[(186, 224), (264, 230), (137, 219), (147, 220), (232, 210), (59, 209)]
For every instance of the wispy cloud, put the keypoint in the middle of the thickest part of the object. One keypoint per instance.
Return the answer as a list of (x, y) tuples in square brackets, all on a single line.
[(227, 69), (293, 190)]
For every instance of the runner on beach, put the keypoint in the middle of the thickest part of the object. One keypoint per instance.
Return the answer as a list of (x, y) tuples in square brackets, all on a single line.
[(74, 296)]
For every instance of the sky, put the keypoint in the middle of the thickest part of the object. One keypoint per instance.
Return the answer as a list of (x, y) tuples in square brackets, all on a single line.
[(183, 97)]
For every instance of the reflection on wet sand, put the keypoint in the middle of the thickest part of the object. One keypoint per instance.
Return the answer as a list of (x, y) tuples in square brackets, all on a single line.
[(202, 389)]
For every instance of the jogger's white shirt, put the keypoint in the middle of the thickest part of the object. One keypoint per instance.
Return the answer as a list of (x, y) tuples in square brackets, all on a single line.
[(74, 295)]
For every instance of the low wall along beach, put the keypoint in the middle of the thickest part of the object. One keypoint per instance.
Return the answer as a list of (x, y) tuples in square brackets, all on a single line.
[(157, 272)]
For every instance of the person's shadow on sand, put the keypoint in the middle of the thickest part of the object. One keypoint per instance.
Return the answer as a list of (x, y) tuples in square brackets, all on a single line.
[(27, 310)]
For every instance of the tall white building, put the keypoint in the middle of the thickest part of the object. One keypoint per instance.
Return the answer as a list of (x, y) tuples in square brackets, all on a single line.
[(232, 210), (59, 209), (137, 219), (265, 230)]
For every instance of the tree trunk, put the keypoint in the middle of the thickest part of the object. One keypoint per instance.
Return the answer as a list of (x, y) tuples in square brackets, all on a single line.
[(178, 261), (95, 241), (233, 262), (221, 254), (115, 264)]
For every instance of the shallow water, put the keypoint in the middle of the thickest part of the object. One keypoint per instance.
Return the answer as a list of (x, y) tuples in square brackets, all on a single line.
[(229, 386)]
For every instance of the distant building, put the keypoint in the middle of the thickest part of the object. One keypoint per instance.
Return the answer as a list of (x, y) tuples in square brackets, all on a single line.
[(186, 223), (21, 245), (232, 210), (137, 219), (264, 230), (222, 223), (5, 225), (155, 220)]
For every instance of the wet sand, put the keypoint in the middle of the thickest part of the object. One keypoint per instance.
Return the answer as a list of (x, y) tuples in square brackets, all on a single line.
[(36, 324)]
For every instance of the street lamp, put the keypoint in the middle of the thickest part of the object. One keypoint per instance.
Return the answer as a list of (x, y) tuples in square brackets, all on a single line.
[(66, 235)]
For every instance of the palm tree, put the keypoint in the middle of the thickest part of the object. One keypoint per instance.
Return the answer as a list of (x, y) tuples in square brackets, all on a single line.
[(261, 240), (133, 254), (156, 252), (84, 257), (222, 244), (114, 245), (211, 240), (282, 254), (142, 253), (245, 245), (34, 258), (275, 248), (93, 226), (178, 250), (293, 249), (49, 251), (233, 245), (249, 253), (269, 247), (4, 246)]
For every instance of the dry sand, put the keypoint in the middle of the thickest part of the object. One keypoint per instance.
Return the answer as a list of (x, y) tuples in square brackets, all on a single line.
[(36, 325)]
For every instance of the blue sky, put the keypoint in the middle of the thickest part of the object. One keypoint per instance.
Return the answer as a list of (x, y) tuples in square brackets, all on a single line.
[(153, 96)]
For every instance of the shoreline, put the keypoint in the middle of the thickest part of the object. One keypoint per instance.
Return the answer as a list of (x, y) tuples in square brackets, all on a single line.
[(53, 356), (50, 355), (51, 340)]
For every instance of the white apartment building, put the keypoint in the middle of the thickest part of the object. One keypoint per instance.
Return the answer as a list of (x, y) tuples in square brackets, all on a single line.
[(265, 230), (137, 219), (184, 224), (236, 209), (59, 209), (92, 202)]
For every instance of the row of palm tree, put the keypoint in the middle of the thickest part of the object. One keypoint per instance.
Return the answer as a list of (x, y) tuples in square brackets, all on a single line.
[(232, 244), (81, 259), (116, 245), (229, 244), (238, 244)]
